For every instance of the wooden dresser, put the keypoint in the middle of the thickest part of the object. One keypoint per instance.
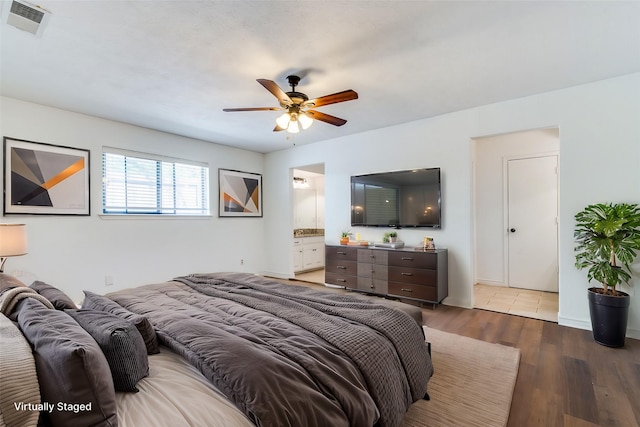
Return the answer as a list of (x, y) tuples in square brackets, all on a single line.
[(406, 273)]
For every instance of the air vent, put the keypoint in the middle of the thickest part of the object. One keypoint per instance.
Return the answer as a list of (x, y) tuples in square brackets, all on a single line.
[(27, 17)]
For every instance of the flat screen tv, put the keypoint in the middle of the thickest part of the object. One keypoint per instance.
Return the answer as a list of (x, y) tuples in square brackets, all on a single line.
[(398, 199)]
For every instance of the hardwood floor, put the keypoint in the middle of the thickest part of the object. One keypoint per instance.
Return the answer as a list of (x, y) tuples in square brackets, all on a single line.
[(565, 378)]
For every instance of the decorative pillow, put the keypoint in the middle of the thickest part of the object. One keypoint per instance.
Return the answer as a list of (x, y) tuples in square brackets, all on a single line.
[(73, 373), (59, 299), (7, 282), (17, 376), (100, 302), (121, 344)]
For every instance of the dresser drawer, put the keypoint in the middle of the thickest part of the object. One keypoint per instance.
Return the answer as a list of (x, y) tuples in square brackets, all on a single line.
[(408, 290), (342, 267), (341, 253), (419, 276), (341, 280), (373, 271), (372, 256), (414, 259), (375, 286)]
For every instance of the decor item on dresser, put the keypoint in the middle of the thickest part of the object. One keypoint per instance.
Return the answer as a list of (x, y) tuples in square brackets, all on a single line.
[(428, 243), (408, 273), (344, 238), (240, 194), (13, 242), (607, 241), (45, 179), (390, 237)]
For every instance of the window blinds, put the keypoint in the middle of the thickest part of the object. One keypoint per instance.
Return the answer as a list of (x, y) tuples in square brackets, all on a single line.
[(148, 184)]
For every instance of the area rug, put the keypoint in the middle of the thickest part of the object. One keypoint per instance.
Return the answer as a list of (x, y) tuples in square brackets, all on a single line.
[(472, 384)]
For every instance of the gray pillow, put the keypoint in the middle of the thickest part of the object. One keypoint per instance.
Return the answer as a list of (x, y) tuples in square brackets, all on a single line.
[(9, 282), (101, 303), (121, 344), (59, 299), (71, 367)]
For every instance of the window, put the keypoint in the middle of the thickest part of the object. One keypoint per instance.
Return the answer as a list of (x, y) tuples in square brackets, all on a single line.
[(135, 183)]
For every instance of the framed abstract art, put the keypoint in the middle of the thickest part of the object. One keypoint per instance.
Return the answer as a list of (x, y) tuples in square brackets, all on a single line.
[(240, 194), (45, 179)]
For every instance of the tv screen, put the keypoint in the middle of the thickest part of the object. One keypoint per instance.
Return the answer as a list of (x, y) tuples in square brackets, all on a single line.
[(408, 198)]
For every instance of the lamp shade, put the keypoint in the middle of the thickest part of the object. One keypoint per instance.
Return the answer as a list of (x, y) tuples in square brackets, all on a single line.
[(305, 121), (13, 240)]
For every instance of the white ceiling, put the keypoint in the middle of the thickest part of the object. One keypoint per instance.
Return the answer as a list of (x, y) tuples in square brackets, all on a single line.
[(174, 65)]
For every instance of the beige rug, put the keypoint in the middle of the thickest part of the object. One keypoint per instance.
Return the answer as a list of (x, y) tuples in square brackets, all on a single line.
[(472, 384)]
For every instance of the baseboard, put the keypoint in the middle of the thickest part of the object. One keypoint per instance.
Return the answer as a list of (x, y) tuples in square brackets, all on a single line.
[(277, 275), (491, 282), (574, 323), (586, 325), (456, 302)]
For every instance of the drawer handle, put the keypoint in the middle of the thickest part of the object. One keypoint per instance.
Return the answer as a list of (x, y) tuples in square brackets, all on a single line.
[(406, 274), (372, 256), (341, 253), (371, 286), (407, 258), (341, 266), (340, 280), (406, 290)]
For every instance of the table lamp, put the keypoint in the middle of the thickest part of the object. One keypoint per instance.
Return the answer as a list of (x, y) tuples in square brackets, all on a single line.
[(13, 241)]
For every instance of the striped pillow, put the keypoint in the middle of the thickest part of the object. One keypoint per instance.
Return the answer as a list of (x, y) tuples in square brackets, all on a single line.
[(121, 344), (94, 301)]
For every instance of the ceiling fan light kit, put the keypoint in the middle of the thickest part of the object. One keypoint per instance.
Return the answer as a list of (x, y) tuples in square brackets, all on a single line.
[(295, 116)]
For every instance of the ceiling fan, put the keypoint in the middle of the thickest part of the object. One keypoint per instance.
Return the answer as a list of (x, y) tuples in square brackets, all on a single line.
[(297, 104)]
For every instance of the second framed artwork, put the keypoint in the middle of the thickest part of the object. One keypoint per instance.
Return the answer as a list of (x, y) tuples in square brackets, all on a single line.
[(45, 179), (240, 194)]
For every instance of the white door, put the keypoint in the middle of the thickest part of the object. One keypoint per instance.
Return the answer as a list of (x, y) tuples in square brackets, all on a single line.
[(532, 223)]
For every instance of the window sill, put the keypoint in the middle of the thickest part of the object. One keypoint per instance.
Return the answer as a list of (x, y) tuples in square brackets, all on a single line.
[(155, 217)]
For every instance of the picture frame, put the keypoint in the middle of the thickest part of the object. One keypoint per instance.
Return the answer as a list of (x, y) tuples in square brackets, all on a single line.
[(240, 193), (45, 179)]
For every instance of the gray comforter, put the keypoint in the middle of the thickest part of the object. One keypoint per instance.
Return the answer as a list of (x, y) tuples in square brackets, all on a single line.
[(289, 355)]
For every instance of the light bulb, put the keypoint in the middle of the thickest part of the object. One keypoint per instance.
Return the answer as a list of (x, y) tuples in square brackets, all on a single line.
[(283, 120), (293, 127), (305, 121)]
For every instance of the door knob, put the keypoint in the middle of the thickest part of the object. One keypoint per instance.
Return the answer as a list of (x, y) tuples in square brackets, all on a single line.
[(513, 230)]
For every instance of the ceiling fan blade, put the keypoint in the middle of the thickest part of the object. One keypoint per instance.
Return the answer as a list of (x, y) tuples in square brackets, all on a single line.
[(332, 120), (272, 87), (278, 129), (251, 109), (346, 95)]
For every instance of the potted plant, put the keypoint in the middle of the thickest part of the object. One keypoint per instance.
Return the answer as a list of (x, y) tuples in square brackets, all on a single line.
[(344, 239), (607, 240)]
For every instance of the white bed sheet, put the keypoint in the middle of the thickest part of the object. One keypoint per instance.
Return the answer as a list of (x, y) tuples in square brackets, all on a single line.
[(176, 394)]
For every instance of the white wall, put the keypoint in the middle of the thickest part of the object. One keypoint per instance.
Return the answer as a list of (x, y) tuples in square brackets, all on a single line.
[(599, 161), (77, 252), (490, 153)]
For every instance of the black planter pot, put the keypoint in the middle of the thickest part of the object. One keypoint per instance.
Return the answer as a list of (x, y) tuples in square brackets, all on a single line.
[(609, 316)]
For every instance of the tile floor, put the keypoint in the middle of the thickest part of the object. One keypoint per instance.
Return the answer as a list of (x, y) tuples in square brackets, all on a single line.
[(521, 302)]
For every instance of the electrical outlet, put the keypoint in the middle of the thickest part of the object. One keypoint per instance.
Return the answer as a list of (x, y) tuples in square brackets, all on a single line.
[(241, 262), (108, 280)]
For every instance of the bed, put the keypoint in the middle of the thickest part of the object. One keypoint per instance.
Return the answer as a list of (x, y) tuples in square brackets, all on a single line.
[(236, 349)]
